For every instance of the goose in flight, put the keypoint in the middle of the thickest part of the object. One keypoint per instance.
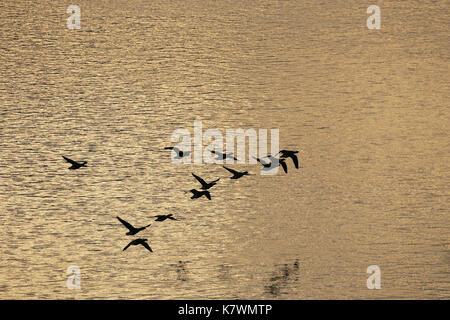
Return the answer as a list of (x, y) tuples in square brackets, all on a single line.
[(205, 185), (281, 162), (180, 153), (198, 194), (223, 156), (136, 242), (162, 217), (290, 154), (237, 174), (75, 165), (132, 229), (263, 163)]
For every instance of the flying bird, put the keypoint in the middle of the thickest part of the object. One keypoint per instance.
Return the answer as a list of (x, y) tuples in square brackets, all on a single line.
[(281, 162), (271, 165), (263, 163), (198, 194), (205, 185), (75, 165), (136, 242), (223, 156), (237, 174), (290, 154), (132, 229), (162, 217), (180, 153)]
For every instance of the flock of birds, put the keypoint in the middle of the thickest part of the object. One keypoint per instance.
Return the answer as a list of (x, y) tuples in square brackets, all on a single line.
[(204, 189)]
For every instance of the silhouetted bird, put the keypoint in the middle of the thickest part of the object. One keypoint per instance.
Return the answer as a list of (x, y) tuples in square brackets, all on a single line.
[(75, 165), (162, 217), (237, 174), (264, 164), (198, 194), (205, 185), (290, 154), (136, 242), (180, 153), (281, 162), (132, 229), (223, 156)]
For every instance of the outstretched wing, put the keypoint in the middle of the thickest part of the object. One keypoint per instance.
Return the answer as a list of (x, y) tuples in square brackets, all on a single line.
[(295, 159), (168, 148), (284, 165), (260, 161), (230, 156), (70, 160), (126, 224), (145, 244), (200, 180), (127, 246), (208, 195), (231, 170)]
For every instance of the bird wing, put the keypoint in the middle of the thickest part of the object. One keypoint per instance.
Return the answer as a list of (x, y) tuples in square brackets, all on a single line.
[(168, 148), (216, 180), (208, 195), (127, 246), (231, 170), (126, 224), (200, 180), (194, 191), (284, 165), (295, 159), (230, 156), (260, 161), (145, 244), (70, 160)]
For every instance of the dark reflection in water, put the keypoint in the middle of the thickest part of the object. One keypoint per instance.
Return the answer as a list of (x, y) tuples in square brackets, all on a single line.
[(282, 277), (224, 272), (182, 273)]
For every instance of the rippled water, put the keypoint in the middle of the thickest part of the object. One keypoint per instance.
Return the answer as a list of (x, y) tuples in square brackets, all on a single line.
[(367, 108)]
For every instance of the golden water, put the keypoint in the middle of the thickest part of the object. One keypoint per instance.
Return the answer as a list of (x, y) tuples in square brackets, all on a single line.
[(367, 108)]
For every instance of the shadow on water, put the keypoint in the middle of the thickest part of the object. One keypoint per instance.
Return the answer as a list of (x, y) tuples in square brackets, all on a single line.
[(224, 272), (284, 275), (182, 273)]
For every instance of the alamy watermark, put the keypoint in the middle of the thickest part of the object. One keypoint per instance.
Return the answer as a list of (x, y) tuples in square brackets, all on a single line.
[(190, 149), (374, 280), (74, 278), (374, 21), (74, 21)]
